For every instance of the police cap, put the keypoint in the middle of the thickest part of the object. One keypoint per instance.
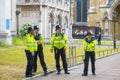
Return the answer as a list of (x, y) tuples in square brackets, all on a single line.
[(89, 33), (36, 27), (58, 27), (30, 29)]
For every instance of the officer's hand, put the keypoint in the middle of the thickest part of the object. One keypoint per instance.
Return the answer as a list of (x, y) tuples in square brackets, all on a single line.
[(51, 50), (65, 48), (38, 42), (33, 53)]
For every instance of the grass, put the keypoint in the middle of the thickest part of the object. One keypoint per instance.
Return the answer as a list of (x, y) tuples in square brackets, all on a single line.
[(3, 45), (13, 61), (18, 40)]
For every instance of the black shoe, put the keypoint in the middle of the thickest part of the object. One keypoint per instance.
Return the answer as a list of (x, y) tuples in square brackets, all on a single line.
[(33, 74), (94, 74), (34, 71), (84, 75), (58, 72), (67, 73), (45, 73), (30, 75)]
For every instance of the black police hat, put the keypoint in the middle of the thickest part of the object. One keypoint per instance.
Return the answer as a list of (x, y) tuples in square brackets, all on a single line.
[(30, 29), (58, 27), (89, 33), (36, 27)]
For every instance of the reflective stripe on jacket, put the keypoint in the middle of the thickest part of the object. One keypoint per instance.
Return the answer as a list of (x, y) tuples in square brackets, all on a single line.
[(89, 46), (58, 41), (31, 44)]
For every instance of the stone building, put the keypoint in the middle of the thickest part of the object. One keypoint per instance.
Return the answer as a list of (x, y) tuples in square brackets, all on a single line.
[(7, 20), (100, 14), (79, 12), (46, 14)]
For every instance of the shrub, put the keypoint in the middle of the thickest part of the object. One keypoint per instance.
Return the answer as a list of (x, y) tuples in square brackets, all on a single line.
[(23, 31), (3, 44), (18, 40)]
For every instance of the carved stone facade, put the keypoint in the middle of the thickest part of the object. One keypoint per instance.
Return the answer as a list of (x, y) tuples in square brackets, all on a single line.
[(100, 14), (46, 14)]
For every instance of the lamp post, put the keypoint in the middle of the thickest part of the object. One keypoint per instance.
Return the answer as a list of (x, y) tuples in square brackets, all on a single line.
[(114, 16), (98, 25), (17, 17), (70, 8)]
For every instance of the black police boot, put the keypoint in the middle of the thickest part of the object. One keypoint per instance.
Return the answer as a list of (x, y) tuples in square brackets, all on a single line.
[(45, 73), (67, 72), (84, 75), (58, 72), (93, 73), (30, 75), (34, 71)]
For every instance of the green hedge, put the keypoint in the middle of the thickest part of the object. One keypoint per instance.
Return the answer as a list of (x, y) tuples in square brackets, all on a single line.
[(18, 40)]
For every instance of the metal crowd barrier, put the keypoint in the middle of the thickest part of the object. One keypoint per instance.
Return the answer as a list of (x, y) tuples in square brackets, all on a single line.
[(73, 58)]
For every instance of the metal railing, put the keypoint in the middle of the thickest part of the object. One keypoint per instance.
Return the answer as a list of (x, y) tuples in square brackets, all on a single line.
[(74, 60)]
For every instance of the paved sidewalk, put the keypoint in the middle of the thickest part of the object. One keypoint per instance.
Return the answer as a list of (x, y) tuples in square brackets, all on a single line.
[(107, 68)]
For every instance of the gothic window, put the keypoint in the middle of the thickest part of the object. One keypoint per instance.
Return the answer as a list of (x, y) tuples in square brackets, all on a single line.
[(27, 1), (38, 11), (65, 1), (50, 1), (88, 4), (33, 10), (23, 9), (36, 0), (60, 1), (28, 12), (22, 13)]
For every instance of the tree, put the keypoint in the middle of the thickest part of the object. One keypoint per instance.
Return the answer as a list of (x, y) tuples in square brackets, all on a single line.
[(23, 31)]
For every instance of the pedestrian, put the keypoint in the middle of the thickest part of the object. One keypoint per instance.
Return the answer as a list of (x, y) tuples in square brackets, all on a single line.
[(99, 38), (59, 44), (89, 44), (31, 47), (40, 42)]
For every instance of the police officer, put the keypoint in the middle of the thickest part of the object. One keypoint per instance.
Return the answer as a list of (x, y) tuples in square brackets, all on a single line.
[(59, 44), (99, 38), (31, 47), (40, 42), (89, 44)]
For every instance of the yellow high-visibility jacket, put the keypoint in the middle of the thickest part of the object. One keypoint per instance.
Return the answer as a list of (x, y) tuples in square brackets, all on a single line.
[(59, 41), (89, 45), (31, 44)]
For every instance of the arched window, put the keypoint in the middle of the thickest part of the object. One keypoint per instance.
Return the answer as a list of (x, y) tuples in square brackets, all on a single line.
[(27, 1)]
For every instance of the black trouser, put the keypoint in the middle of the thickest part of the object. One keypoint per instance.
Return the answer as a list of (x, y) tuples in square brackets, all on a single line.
[(30, 62), (86, 61), (58, 53), (41, 58), (99, 42)]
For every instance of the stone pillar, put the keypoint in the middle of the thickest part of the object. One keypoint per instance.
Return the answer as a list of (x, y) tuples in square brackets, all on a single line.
[(5, 22), (44, 22), (109, 28)]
